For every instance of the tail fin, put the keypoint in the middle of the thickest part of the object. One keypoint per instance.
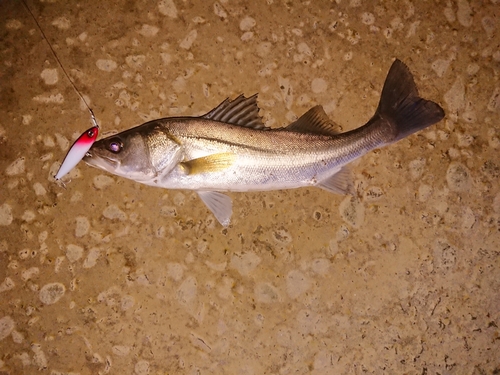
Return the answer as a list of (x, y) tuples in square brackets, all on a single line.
[(401, 105)]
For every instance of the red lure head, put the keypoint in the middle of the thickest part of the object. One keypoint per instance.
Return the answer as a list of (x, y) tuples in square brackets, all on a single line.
[(89, 136)]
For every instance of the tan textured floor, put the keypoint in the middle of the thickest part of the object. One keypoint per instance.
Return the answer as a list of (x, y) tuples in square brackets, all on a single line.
[(108, 276)]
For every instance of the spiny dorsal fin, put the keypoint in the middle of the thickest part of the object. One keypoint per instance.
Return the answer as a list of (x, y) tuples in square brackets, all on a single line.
[(240, 111), (314, 121)]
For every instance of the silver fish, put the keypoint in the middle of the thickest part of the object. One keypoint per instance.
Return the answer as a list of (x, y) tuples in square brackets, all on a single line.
[(230, 149)]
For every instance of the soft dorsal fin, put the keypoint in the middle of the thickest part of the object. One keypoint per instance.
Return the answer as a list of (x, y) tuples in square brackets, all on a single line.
[(240, 111), (314, 121)]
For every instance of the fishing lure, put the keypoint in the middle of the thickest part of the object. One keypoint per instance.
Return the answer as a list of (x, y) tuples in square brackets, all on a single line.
[(77, 151)]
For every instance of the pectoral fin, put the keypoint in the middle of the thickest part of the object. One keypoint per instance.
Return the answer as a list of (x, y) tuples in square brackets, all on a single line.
[(220, 205), (210, 163), (340, 182)]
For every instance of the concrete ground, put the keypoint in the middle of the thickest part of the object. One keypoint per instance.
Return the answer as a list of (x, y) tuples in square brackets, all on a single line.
[(110, 276)]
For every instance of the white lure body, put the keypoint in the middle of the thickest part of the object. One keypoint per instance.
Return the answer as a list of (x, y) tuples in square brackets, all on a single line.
[(77, 151)]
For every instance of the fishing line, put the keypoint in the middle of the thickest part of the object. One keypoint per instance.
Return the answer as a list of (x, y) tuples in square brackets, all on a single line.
[(94, 121)]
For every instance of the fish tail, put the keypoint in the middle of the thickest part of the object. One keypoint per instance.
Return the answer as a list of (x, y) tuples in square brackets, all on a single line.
[(401, 105)]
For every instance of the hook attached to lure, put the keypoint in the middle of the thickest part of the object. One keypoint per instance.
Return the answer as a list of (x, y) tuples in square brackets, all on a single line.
[(78, 151)]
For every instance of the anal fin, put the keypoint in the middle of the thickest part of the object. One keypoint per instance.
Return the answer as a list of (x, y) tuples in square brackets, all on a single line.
[(340, 182), (219, 204)]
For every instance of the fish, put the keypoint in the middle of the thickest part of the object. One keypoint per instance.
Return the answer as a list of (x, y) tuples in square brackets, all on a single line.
[(229, 149), (77, 151)]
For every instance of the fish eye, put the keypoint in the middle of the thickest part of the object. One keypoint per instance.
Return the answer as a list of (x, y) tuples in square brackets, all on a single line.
[(115, 145), (91, 133)]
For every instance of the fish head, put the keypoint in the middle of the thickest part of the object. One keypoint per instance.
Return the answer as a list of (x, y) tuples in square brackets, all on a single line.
[(136, 154)]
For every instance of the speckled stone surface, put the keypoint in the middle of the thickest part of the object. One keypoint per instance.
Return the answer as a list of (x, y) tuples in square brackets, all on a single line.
[(107, 276)]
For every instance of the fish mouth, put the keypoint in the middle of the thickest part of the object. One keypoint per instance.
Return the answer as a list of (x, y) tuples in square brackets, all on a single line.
[(101, 162)]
